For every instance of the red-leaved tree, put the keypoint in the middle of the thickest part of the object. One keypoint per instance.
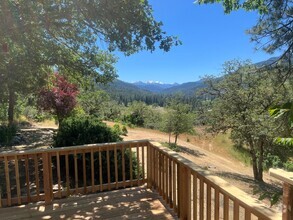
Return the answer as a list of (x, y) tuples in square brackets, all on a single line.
[(59, 97)]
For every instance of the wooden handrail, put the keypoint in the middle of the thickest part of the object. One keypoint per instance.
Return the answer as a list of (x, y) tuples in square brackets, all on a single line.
[(193, 186), (193, 193)]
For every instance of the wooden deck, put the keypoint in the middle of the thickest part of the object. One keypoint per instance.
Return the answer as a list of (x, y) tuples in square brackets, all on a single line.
[(132, 203)]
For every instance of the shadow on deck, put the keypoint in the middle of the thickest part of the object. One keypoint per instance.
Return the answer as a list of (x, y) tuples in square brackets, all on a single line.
[(131, 203)]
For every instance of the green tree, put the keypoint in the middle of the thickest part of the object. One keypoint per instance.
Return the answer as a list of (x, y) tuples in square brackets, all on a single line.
[(36, 35), (179, 118), (93, 102), (240, 105)]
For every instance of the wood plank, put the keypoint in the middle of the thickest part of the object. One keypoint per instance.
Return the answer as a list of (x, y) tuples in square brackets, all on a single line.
[(27, 178), (67, 174), (101, 171), (174, 187), (138, 164), (46, 178), (58, 175), (17, 179), (84, 172), (116, 166), (194, 196), (143, 163), (226, 207), (130, 163), (236, 210), (92, 170), (37, 179), (75, 170), (170, 183), (209, 203), (123, 165), (7, 178), (201, 198), (108, 170), (217, 203)]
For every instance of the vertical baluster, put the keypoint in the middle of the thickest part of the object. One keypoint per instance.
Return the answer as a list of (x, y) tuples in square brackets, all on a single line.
[(170, 183), (101, 170), (194, 182), (108, 169), (138, 165), (37, 179), (123, 166), (236, 210), (247, 214), (67, 173), (201, 198), (58, 174), (143, 163), (17, 179), (208, 210), (76, 172), (93, 170), (27, 178), (226, 207), (7, 177), (84, 172), (217, 203), (130, 163), (116, 166), (175, 187)]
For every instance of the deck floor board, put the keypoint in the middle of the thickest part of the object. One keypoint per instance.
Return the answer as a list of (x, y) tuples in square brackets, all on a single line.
[(132, 203)]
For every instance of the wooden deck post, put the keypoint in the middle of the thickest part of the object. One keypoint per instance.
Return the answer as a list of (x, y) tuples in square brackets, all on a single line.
[(183, 192), (47, 178), (287, 178), (287, 201)]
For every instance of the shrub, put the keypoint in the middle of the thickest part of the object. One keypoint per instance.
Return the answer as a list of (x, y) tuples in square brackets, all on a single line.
[(7, 133), (84, 130), (124, 130), (89, 130)]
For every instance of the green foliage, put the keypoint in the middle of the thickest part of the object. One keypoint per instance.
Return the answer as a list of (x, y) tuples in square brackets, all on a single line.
[(66, 35), (288, 166), (83, 130), (179, 118), (272, 161), (241, 101), (7, 133), (93, 102), (124, 130)]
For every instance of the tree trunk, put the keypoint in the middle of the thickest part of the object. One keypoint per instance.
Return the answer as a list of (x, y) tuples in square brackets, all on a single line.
[(260, 162), (176, 137), (11, 105), (256, 164), (169, 137)]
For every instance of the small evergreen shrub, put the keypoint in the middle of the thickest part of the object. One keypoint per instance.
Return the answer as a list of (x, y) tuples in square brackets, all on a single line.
[(90, 130), (84, 130), (7, 133)]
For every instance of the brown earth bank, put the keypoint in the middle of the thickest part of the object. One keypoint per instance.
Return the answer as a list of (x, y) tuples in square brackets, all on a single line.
[(200, 150)]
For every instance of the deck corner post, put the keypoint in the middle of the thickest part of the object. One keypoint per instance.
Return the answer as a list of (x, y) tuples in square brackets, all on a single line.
[(287, 213), (183, 197), (47, 178)]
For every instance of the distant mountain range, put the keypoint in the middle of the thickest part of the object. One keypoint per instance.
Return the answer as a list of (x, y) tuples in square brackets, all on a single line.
[(154, 91), (186, 88), (154, 86)]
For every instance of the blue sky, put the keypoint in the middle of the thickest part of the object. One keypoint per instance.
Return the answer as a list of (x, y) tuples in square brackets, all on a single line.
[(209, 38)]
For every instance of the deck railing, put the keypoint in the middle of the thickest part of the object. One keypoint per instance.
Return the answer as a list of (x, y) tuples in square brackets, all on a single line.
[(192, 192)]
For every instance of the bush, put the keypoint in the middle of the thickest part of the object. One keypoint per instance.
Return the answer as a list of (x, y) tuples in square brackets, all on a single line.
[(124, 130), (89, 130), (84, 130), (7, 134)]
